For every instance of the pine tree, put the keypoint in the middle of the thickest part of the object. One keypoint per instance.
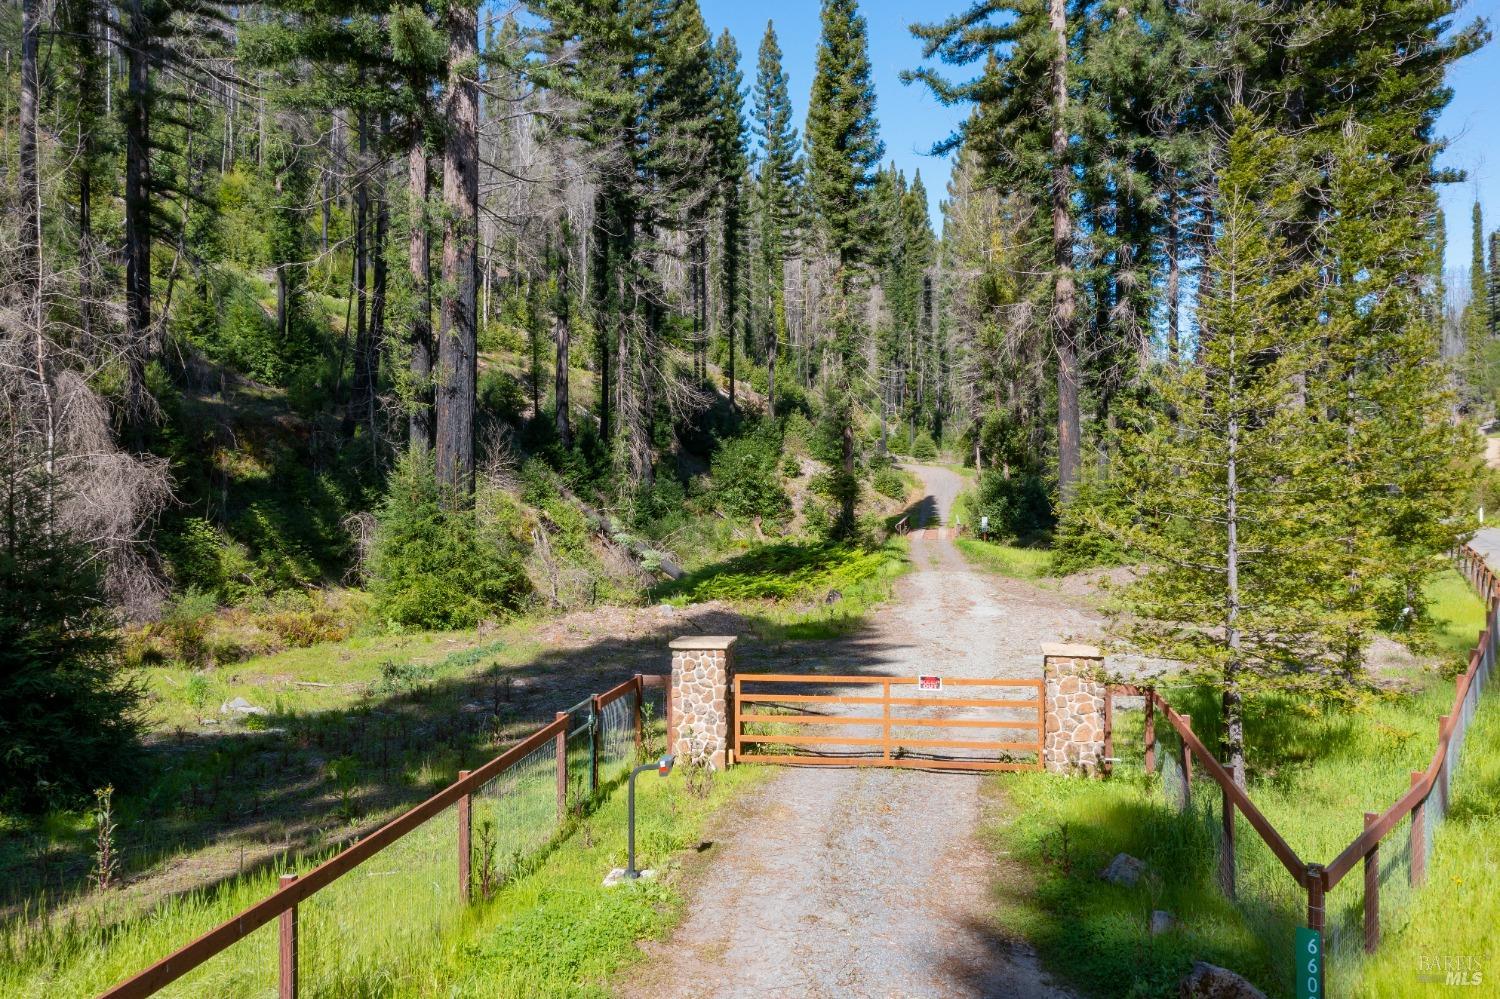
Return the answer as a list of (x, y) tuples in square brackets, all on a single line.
[(1477, 312), (29, 187), (843, 150), (778, 179), (417, 52), (1219, 473), (843, 143), (458, 335), (729, 157), (67, 710), (1024, 135), (1492, 284), (1402, 469)]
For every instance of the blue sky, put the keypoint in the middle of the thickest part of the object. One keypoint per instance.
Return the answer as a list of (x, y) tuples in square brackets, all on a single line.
[(1472, 125), (911, 120)]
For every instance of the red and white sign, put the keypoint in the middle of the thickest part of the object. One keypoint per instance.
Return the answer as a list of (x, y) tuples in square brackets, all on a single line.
[(929, 683)]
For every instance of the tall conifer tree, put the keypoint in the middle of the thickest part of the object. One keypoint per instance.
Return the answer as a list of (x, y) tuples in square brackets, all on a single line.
[(1221, 491), (843, 151), (1477, 312), (777, 179)]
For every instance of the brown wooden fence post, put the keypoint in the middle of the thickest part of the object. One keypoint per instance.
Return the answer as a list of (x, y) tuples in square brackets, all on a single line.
[(465, 832), (1372, 891), (1417, 870), (1150, 732), (287, 984), (1315, 897), (562, 766), (1440, 786), (1107, 764), (1187, 757), (1226, 854), (1315, 914), (596, 730), (1186, 760), (640, 722)]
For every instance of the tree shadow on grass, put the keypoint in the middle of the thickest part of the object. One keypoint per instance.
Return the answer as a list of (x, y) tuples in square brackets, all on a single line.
[(1282, 732), (306, 782), (1095, 936)]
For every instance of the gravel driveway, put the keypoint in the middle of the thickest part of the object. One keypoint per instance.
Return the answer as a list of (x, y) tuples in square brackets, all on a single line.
[(871, 882)]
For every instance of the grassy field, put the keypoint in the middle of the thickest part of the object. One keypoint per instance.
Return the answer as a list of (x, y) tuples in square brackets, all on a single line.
[(1006, 560), (395, 926), (351, 732), (799, 590), (1314, 771)]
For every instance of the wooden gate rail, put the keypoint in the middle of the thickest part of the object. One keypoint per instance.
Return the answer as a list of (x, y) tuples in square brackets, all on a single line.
[(294, 890), (886, 742)]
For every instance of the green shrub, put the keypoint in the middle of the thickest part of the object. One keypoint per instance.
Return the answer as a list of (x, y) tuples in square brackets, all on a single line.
[(923, 448), (184, 625), (1083, 539), (429, 568), (791, 399), (827, 521), (247, 339), (192, 555), (1018, 506), (888, 482), (502, 395), (746, 481)]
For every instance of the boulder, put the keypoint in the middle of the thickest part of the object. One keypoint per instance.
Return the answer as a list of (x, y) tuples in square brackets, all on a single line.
[(1124, 870), (1161, 921), (1209, 981), (240, 706)]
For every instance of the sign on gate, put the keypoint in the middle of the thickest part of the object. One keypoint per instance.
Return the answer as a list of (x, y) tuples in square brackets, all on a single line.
[(929, 683)]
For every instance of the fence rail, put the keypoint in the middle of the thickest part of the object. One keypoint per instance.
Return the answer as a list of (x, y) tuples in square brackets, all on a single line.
[(1425, 803), (294, 889)]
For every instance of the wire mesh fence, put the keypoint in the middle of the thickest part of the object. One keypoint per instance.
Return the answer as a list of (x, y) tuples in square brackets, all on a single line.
[(1371, 889), (369, 929), (368, 917), (240, 971)]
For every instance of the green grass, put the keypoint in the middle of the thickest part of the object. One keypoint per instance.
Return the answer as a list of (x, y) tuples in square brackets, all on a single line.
[(1315, 770), (960, 514), (1457, 917), (799, 591), (1006, 560), (784, 571), (395, 927), (1457, 615)]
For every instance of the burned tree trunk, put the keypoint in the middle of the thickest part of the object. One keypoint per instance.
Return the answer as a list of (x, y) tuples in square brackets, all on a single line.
[(457, 342)]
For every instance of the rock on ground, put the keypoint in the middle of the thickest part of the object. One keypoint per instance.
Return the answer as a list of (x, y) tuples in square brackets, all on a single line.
[(1209, 981)]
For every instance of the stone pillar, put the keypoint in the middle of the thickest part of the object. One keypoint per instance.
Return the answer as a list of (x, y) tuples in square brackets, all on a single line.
[(1075, 691), (702, 682)]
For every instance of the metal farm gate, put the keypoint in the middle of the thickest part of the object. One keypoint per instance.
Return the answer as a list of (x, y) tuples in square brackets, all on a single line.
[(921, 722)]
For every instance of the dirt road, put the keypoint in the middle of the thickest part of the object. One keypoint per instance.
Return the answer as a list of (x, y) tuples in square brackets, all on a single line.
[(869, 882)]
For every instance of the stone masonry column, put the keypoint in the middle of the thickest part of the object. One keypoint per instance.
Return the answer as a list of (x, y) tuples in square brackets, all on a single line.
[(1075, 694), (702, 682)]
